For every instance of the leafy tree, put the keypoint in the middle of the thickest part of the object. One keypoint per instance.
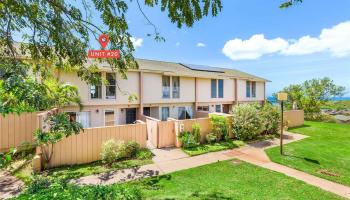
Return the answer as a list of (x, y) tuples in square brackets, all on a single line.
[(295, 94), (313, 94), (59, 126), (60, 32), (56, 35), (290, 3), (318, 92), (22, 92)]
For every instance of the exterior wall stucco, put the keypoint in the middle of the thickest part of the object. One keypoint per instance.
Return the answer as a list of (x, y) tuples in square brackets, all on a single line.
[(204, 91), (152, 95), (241, 87), (153, 89), (127, 87), (97, 118)]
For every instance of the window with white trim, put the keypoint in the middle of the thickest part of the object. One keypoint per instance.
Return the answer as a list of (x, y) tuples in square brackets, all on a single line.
[(166, 87), (217, 88), (248, 85), (253, 89), (96, 90), (176, 86), (111, 86), (250, 89)]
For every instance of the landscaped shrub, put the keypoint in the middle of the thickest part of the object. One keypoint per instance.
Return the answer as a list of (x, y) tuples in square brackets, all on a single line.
[(131, 149), (7, 157), (144, 154), (210, 138), (109, 153), (220, 126), (270, 119), (70, 191), (38, 183), (321, 117), (196, 131), (188, 139), (116, 150), (246, 123)]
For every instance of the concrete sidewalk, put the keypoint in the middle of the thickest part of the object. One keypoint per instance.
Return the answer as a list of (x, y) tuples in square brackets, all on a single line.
[(10, 186), (162, 165), (172, 159)]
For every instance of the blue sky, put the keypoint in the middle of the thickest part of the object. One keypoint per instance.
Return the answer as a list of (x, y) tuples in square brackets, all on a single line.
[(243, 19)]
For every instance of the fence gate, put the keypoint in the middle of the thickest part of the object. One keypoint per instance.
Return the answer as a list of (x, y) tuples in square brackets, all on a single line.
[(166, 134), (152, 132)]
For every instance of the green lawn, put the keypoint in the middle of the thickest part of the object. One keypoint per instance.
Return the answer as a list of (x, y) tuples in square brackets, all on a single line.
[(326, 153), (228, 180), (221, 180), (218, 146)]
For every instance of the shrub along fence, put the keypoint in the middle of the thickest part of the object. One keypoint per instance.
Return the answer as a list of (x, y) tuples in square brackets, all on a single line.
[(165, 133), (86, 146)]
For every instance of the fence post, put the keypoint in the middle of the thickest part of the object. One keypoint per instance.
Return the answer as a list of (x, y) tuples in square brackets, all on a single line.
[(177, 131)]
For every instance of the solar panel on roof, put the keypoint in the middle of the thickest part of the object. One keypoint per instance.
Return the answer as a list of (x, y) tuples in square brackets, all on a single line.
[(203, 68)]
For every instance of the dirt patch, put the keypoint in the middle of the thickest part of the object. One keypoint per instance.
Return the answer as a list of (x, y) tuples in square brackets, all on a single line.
[(235, 162), (326, 172)]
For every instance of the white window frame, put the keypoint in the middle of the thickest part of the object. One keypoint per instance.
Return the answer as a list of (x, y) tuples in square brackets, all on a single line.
[(115, 85)]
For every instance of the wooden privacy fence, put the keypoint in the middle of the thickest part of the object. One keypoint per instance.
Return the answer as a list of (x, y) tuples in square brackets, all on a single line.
[(15, 129), (165, 133), (86, 146), (186, 125), (152, 130), (294, 117)]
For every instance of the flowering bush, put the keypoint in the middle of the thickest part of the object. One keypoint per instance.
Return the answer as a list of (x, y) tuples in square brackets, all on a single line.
[(246, 123), (270, 118)]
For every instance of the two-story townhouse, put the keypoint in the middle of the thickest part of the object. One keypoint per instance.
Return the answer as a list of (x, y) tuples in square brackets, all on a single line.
[(164, 89)]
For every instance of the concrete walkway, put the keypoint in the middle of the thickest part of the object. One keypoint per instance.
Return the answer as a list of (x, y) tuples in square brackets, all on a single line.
[(172, 159), (10, 186)]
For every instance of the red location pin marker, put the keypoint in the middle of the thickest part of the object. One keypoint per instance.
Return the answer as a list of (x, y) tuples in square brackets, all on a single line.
[(103, 39)]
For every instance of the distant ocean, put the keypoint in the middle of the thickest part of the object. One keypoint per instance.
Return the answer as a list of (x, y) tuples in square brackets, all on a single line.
[(273, 100), (340, 98)]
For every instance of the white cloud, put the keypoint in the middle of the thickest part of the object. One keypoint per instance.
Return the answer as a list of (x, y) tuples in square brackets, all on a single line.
[(253, 48), (177, 44), (137, 42), (305, 45), (335, 40), (200, 44)]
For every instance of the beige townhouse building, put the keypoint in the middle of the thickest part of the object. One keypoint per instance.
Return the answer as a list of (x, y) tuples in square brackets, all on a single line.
[(164, 89)]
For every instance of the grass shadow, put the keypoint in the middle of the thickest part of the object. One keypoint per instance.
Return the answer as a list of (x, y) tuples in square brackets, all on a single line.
[(153, 182), (304, 158), (210, 195), (302, 126)]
